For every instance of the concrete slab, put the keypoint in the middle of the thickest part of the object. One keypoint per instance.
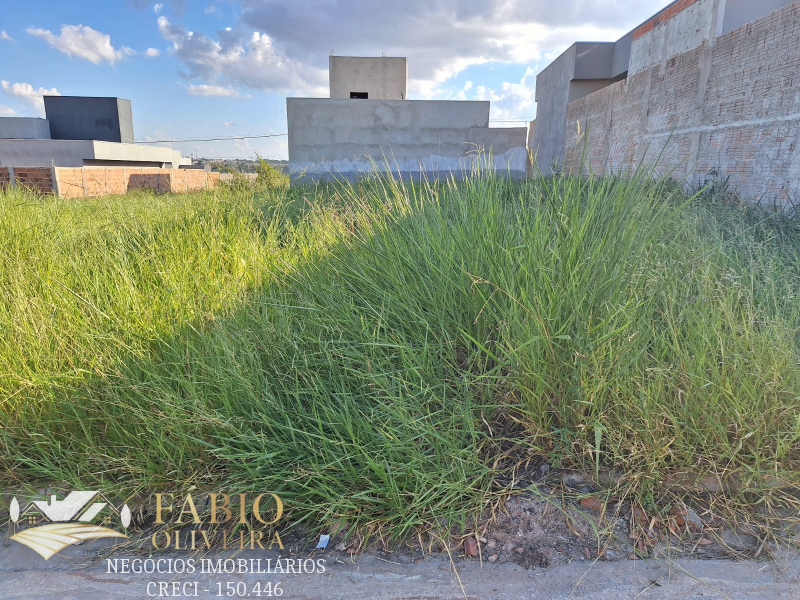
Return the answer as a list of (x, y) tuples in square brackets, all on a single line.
[(24, 128), (25, 576), (79, 153)]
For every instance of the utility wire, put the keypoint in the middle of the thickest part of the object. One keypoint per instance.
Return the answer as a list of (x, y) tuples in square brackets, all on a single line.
[(271, 135), (219, 139)]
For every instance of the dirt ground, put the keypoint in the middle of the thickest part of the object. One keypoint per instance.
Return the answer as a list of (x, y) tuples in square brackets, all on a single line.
[(558, 525), (536, 533)]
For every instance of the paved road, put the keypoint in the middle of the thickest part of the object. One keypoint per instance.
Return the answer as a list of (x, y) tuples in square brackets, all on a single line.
[(25, 576)]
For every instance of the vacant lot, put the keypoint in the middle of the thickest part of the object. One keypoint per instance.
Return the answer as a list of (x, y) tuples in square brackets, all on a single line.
[(394, 355)]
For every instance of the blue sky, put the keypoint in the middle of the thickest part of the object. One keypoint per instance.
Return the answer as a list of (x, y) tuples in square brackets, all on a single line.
[(220, 68)]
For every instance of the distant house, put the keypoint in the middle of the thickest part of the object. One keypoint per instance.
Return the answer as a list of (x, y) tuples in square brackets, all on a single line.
[(85, 147), (80, 131)]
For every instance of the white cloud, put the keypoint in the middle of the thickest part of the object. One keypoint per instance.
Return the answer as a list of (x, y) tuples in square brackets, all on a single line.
[(84, 42), (512, 103), (228, 123), (283, 45), (152, 52), (5, 36), (157, 7), (7, 111), (237, 58), (462, 93), (210, 9), (441, 38), (28, 94), (212, 90)]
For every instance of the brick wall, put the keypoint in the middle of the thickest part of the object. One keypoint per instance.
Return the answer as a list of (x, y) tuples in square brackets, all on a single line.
[(82, 182), (662, 17), (730, 108), (37, 179)]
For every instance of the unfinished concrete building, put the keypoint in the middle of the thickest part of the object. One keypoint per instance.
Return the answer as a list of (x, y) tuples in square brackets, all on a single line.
[(709, 87), (369, 123), (362, 78), (85, 147)]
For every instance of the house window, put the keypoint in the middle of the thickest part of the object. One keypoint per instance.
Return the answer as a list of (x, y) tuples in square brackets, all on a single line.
[(359, 95)]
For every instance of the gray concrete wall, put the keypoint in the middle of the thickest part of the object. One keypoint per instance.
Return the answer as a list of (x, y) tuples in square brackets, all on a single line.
[(725, 111), (24, 128), (552, 98), (531, 133), (85, 118), (740, 12), (593, 60), (578, 88), (180, 161), (680, 27), (583, 68), (77, 153), (622, 55), (346, 138), (132, 154), (670, 33), (587, 67), (383, 78), (44, 153)]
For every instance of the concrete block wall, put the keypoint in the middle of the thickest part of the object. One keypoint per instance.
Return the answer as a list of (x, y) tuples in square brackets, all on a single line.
[(681, 26), (83, 182), (552, 98), (343, 138), (583, 68), (382, 78), (729, 108)]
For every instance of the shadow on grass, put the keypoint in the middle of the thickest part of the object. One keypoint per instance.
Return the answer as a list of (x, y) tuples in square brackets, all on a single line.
[(407, 343)]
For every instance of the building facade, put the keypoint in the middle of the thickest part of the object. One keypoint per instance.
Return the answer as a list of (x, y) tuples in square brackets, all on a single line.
[(85, 147), (368, 124), (80, 131), (707, 88)]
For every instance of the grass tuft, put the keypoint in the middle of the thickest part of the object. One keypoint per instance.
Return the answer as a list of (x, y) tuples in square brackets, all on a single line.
[(382, 353)]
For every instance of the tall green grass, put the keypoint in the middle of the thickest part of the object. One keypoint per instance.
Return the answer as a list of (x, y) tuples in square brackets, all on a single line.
[(381, 352)]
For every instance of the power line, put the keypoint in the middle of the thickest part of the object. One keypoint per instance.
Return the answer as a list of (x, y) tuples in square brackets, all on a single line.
[(219, 139), (271, 135)]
